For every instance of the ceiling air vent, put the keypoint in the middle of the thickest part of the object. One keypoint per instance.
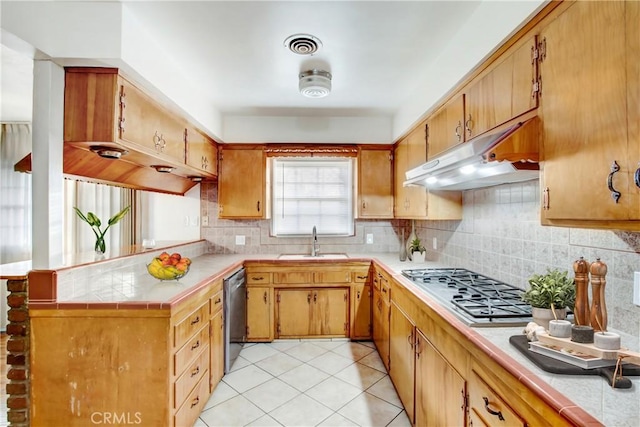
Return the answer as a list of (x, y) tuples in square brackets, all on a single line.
[(303, 44)]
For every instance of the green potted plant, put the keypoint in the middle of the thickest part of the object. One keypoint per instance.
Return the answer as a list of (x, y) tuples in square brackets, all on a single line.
[(417, 251), (95, 224), (550, 295)]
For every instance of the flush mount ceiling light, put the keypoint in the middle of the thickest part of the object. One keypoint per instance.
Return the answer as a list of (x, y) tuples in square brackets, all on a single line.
[(108, 152), (303, 44), (315, 83)]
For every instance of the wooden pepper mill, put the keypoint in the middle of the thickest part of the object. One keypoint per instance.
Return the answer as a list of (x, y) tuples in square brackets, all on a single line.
[(581, 309), (598, 307)]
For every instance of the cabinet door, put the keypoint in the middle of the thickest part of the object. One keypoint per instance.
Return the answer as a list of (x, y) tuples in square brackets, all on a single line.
[(329, 312), (217, 350), (381, 326), (633, 104), (361, 312), (402, 358), (148, 126), (445, 129), (202, 152), (437, 382), (241, 184), (259, 319), (411, 202), (583, 109), (375, 184), (502, 93), (293, 311)]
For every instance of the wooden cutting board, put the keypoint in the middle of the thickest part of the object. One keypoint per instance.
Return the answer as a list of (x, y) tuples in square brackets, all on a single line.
[(590, 349)]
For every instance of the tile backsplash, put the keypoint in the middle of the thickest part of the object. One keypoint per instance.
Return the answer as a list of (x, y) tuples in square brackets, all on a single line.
[(500, 235)]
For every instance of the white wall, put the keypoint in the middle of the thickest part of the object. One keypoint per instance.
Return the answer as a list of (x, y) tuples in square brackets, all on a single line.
[(169, 217), (307, 129)]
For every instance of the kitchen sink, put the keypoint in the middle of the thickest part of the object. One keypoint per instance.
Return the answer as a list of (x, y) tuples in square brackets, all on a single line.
[(311, 257)]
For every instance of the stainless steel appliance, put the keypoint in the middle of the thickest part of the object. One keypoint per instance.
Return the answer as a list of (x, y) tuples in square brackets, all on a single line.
[(476, 299), (235, 317)]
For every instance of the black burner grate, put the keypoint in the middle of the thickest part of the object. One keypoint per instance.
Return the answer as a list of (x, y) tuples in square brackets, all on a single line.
[(477, 295)]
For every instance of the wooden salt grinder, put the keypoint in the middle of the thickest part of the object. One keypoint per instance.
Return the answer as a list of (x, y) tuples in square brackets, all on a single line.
[(581, 309), (598, 306)]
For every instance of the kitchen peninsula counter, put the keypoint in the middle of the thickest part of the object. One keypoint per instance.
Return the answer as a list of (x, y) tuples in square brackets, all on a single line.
[(130, 286)]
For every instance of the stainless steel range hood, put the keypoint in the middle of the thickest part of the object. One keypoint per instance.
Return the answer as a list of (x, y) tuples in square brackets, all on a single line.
[(505, 156)]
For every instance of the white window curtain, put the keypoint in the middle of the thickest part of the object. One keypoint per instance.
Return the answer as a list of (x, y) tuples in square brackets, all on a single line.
[(15, 194), (310, 192), (104, 201)]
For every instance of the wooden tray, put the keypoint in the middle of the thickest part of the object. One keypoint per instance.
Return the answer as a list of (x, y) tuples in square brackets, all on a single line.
[(590, 349)]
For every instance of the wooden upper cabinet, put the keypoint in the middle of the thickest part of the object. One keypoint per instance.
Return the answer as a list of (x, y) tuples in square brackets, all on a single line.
[(241, 185), (446, 127), (589, 107), (502, 93), (410, 202), (202, 152), (102, 108), (375, 183), (145, 124)]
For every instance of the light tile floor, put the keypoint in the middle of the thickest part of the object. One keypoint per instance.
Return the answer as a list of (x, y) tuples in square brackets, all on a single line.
[(305, 383)]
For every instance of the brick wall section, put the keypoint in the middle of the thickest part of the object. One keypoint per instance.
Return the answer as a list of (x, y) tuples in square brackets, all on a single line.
[(18, 387)]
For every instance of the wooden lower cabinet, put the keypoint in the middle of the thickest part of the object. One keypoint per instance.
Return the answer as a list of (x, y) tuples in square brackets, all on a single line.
[(216, 343), (402, 358), (381, 311), (361, 312), (147, 366), (313, 312), (259, 317), (437, 382)]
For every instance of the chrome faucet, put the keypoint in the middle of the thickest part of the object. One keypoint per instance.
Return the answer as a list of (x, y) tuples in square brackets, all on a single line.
[(315, 250)]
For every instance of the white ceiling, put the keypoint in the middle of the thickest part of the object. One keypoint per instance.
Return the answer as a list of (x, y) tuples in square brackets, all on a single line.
[(380, 54)]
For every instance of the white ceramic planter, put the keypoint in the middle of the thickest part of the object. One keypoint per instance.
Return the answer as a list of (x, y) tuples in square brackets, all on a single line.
[(418, 256), (542, 316)]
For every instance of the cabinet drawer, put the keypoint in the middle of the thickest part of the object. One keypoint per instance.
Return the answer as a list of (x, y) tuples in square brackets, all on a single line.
[(190, 325), (361, 276), (190, 350), (487, 405), (258, 278), (184, 384), (216, 303), (332, 277), (193, 404), (293, 277)]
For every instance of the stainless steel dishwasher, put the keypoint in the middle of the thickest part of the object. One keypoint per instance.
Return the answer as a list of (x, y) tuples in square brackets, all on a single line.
[(235, 317)]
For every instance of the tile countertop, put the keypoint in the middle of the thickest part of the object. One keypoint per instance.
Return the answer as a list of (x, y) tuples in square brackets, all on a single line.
[(131, 285)]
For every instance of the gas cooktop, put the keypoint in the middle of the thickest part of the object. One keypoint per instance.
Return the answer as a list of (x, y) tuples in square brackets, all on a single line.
[(476, 299)]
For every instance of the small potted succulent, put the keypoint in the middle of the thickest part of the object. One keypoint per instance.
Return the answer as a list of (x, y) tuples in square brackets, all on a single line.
[(550, 295), (418, 252)]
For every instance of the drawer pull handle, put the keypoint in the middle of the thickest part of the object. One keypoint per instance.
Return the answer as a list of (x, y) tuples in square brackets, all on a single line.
[(257, 278), (265, 296), (492, 411), (196, 345), (636, 177), (195, 372), (196, 320), (218, 301), (195, 401), (384, 290), (362, 277), (459, 131), (614, 193)]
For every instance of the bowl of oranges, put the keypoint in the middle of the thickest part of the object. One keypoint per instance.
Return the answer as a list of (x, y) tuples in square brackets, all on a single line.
[(169, 266)]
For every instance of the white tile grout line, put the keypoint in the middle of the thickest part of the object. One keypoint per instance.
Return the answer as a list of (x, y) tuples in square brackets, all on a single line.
[(285, 351)]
